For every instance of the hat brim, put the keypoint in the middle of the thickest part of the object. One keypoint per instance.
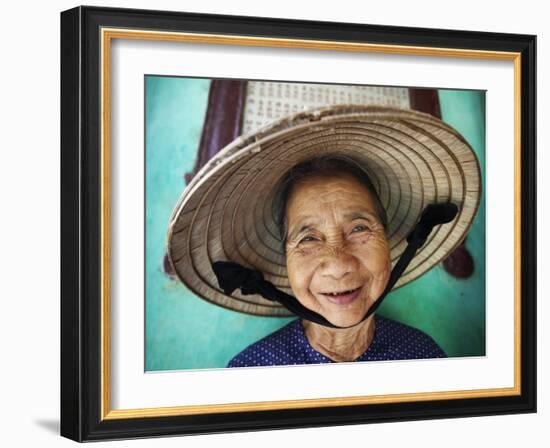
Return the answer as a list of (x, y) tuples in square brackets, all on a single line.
[(226, 213)]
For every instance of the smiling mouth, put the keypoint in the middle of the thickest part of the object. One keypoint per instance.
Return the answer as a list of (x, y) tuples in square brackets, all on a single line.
[(342, 297)]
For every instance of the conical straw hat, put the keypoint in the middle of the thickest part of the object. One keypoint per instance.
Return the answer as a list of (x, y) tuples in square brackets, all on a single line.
[(226, 212)]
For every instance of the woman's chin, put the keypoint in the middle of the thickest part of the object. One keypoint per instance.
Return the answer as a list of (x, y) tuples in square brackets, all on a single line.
[(343, 318)]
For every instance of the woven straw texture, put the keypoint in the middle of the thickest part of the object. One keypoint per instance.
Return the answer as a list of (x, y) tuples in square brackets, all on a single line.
[(225, 213)]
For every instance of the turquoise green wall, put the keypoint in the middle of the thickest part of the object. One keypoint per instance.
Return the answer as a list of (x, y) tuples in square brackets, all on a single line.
[(183, 331)]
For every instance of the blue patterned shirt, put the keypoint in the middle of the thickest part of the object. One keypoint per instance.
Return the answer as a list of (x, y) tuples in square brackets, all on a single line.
[(289, 346)]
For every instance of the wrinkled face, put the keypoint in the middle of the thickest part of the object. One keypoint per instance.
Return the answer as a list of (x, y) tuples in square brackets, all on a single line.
[(338, 258)]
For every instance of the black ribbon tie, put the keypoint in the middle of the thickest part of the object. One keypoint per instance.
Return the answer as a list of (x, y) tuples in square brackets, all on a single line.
[(232, 276)]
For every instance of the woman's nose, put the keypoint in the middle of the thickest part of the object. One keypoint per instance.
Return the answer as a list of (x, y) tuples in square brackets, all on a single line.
[(338, 265)]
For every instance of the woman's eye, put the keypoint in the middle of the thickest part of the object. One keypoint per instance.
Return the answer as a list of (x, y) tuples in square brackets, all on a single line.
[(306, 239), (359, 228)]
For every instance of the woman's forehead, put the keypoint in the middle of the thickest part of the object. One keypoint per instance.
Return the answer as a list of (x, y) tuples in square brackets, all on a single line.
[(343, 195), (340, 191), (322, 216)]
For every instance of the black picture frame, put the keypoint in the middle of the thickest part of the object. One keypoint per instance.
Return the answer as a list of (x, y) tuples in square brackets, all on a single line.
[(81, 224)]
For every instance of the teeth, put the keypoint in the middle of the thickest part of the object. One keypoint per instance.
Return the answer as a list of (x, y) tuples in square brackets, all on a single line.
[(340, 293)]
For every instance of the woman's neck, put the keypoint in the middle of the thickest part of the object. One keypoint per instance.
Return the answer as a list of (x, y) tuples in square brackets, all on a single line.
[(340, 344)]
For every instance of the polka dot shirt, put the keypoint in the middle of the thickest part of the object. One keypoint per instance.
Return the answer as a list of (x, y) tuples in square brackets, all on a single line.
[(289, 346)]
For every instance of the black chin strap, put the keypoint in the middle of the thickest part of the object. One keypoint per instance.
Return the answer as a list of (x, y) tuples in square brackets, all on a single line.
[(233, 275)]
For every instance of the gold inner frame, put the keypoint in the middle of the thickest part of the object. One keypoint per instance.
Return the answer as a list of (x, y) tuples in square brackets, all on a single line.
[(107, 35)]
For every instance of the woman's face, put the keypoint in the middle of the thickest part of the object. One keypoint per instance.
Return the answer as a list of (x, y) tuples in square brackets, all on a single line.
[(338, 258)]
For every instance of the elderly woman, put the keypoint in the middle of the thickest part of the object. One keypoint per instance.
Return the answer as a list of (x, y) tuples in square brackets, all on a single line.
[(310, 214)]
